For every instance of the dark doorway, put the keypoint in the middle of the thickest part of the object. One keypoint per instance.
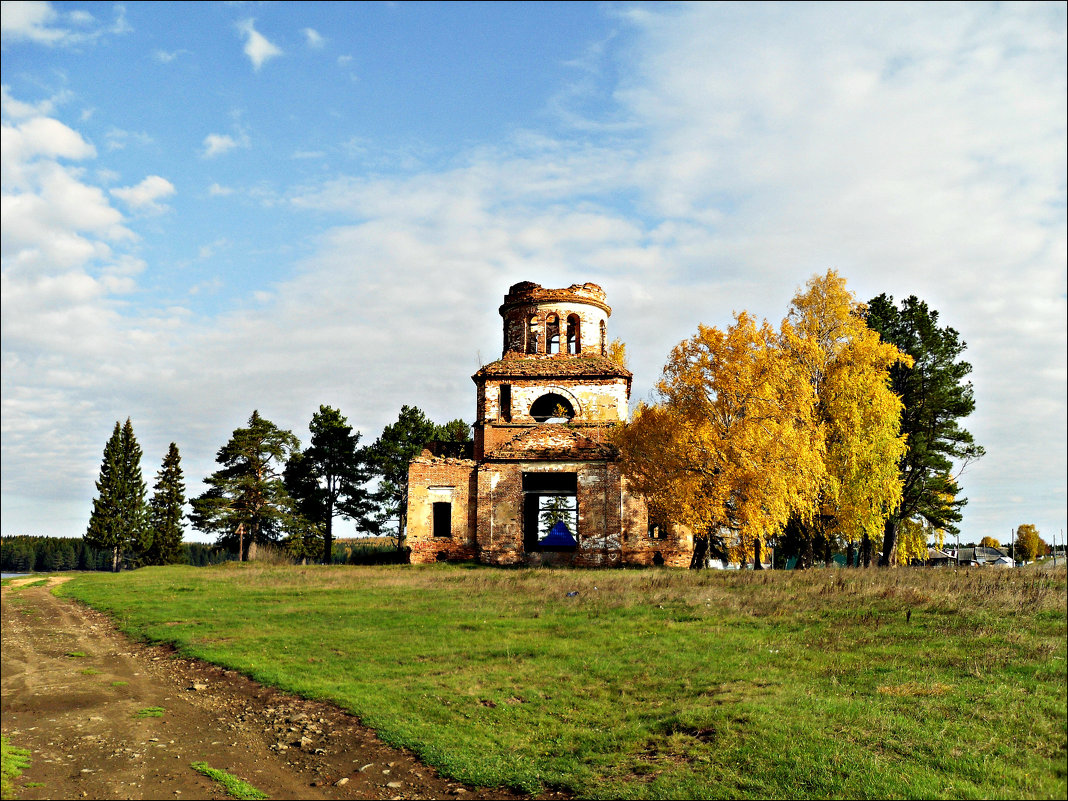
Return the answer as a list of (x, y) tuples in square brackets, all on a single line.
[(443, 519)]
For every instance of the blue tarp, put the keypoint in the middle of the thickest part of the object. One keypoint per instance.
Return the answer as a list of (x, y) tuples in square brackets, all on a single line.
[(558, 537)]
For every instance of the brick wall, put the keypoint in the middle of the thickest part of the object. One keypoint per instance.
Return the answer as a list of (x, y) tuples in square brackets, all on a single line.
[(433, 480)]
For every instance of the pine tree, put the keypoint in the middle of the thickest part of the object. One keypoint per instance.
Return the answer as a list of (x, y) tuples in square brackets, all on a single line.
[(246, 500), (390, 456), (166, 511), (118, 522), (327, 479), (936, 396)]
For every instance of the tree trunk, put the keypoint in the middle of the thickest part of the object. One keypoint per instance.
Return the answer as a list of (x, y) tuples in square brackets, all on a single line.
[(328, 538), (827, 557), (756, 555), (849, 554), (889, 541), (865, 550), (806, 558), (700, 552), (115, 559)]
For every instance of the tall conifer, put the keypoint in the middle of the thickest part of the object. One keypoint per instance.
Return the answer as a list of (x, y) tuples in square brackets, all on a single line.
[(118, 522), (936, 396), (246, 501), (104, 530), (166, 511)]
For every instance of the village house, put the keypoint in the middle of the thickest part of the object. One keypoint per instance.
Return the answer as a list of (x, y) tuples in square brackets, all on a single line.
[(543, 483)]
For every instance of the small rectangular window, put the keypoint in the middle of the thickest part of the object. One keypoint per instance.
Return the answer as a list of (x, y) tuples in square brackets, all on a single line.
[(442, 519), (506, 402)]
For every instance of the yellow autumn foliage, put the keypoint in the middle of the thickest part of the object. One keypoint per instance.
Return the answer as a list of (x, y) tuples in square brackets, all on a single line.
[(732, 446), (848, 366), (911, 542), (755, 426)]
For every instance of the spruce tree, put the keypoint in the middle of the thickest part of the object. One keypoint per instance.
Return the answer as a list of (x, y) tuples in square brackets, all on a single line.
[(104, 532), (118, 523), (166, 511), (137, 536)]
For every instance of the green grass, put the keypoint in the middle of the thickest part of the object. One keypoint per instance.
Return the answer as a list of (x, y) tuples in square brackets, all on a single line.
[(233, 785), (119, 683), (12, 762), (77, 654), (150, 712), (90, 672), (656, 683)]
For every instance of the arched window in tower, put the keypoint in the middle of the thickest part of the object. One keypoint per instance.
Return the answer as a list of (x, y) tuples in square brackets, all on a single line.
[(574, 334), (532, 334), (552, 334), (604, 341), (552, 408)]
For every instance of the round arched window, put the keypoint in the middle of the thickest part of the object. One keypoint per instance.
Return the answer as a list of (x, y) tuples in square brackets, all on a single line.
[(552, 408)]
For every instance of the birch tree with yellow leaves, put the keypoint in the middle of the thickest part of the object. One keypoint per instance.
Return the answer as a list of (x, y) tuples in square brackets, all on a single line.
[(848, 367), (755, 427), (732, 443)]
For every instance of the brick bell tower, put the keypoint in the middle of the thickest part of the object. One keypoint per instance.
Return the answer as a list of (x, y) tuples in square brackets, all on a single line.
[(544, 485), (554, 368)]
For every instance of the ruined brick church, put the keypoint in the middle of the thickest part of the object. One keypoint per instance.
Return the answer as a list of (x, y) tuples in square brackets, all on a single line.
[(542, 485)]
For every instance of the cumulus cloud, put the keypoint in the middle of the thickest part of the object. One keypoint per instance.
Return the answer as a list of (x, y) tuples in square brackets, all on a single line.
[(146, 195), (313, 38), (257, 47)]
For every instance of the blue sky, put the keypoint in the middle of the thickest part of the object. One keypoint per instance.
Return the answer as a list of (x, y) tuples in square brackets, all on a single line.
[(210, 208)]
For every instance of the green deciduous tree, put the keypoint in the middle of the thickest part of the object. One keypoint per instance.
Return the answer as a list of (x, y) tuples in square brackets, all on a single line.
[(166, 511), (328, 478), (246, 501), (118, 522), (936, 396)]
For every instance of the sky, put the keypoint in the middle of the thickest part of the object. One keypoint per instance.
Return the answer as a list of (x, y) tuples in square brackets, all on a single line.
[(210, 208)]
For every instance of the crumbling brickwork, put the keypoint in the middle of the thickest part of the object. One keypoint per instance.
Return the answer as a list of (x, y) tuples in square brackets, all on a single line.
[(541, 451)]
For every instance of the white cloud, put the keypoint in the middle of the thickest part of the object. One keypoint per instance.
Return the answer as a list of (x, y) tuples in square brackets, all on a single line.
[(218, 144), (167, 56), (218, 190), (918, 151), (39, 22), (19, 109), (313, 38), (145, 195), (40, 137), (117, 139), (258, 49)]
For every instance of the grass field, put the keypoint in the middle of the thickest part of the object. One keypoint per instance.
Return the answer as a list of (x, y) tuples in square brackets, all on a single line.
[(912, 683)]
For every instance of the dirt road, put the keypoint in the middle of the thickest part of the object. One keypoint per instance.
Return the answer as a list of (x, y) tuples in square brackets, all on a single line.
[(82, 698)]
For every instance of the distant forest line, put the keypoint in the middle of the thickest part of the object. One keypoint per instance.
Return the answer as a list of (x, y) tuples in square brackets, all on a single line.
[(33, 554)]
